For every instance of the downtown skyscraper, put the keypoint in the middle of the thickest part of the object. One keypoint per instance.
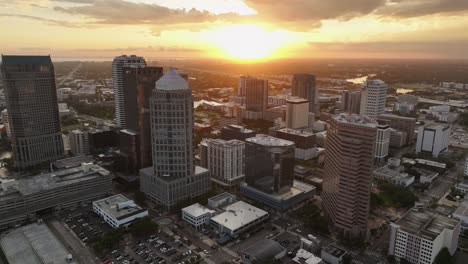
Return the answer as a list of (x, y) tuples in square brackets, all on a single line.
[(304, 86), (373, 98), (349, 157), (33, 115), (118, 65), (173, 178), (256, 97)]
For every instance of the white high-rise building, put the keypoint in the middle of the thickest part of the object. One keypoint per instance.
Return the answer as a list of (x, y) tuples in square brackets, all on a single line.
[(173, 178), (420, 236), (224, 160), (79, 142), (118, 64), (433, 139), (297, 113), (382, 143), (373, 98)]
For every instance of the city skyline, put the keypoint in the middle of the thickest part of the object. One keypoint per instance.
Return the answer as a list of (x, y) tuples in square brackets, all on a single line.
[(236, 29)]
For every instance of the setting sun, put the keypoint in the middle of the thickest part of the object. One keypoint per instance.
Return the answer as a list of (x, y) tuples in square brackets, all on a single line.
[(249, 42)]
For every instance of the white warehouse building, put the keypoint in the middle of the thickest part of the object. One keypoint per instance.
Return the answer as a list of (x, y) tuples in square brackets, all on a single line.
[(118, 210)]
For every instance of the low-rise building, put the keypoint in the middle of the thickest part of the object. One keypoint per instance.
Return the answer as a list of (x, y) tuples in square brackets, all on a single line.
[(462, 187), (333, 254), (427, 176), (238, 218), (21, 199), (118, 210), (263, 249), (221, 200), (304, 142), (394, 176), (197, 215), (419, 236), (305, 257)]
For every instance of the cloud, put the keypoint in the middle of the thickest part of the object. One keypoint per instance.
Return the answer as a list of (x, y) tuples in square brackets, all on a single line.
[(48, 21), (119, 12), (455, 49), (415, 8)]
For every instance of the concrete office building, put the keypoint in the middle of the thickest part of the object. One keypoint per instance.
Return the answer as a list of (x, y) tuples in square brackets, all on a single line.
[(118, 66), (351, 102), (79, 142), (349, 157), (400, 123), (173, 177), (236, 132), (224, 160), (397, 138), (33, 116), (256, 98), (373, 98), (138, 85), (382, 143), (304, 86), (406, 104), (333, 254), (241, 86), (419, 236), (433, 139), (118, 210), (297, 113), (197, 215), (21, 199), (238, 218), (305, 143)]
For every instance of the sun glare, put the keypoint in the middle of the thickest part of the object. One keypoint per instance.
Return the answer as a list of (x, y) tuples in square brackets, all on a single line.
[(249, 42)]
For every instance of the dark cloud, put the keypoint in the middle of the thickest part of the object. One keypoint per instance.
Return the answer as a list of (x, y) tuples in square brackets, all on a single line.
[(118, 12), (51, 22), (455, 49), (415, 8)]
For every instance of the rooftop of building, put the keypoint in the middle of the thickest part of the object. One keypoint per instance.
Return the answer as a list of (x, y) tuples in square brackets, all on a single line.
[(392, 173), (305, 257), (232, 142), (33, 244), (172, 81), (71, 162), (197, 210), (437, 126), (426, 224), (238, 215), (355, 120), (334, 251), (52, 180), (376, 82), (129, 132), (118, 206), (263, 249), (266, 140), (297, 100), (240, 128), (221, 197), (25, 59), (463, 184), (462, 210), (396, 116), (296, 132)]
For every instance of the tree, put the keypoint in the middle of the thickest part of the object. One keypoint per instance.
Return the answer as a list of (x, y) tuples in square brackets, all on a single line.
[(69, 121), (109, 240), (444, 257), (347, 259), (140, 197), (143, 227)]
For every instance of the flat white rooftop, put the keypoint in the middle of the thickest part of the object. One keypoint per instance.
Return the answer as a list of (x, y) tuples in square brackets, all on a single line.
[(266, 140), (238, 215), (197, 210), (33, 244), (118, 206)]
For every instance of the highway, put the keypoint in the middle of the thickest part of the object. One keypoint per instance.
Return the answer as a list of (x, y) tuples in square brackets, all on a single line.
[(69, 75)]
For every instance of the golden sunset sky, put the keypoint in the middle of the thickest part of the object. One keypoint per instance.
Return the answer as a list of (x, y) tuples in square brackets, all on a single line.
[(236, 29)]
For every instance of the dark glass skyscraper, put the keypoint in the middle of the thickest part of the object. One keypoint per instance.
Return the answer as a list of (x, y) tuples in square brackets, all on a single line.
[(138, 85), (303, 86), (31, 98)]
